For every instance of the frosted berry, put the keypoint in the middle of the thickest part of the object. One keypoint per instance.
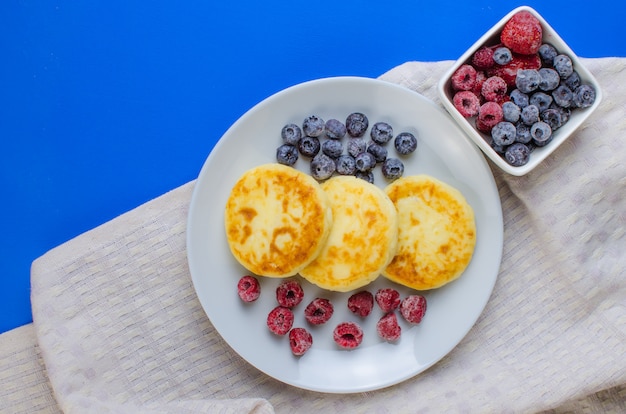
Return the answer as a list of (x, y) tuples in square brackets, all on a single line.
[(322, 167), (467, 103), (511, 112), (335, 129), (356, 124), (291, 134), (289, 293), (345, 165), (572, 81), (502, 55), (503, 133), (523, 33), (519, 98), (378, 151), (332, 147), (348, 335), (547, 53), (392, 168), (464, 78), (517, 154), (300, 341), (287, 154), (550, 79), (489, 115), (405, 143), (365, 175), (280, 320), (527, 80), (388, 328), (381, 133), (248, 288), (388, 299), (523, 133), (365, 162), (563, 65), (319, 311), (361, 303), (552, 117), (584, 96), (483, 58), (313, 126), (494, 89), (530, 114), (356, 146), (541, 133), (413, 308), (541, 100), (309, 146)]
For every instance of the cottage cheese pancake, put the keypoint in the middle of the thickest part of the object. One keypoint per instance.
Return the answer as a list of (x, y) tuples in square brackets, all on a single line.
[(277, 220), (436, 232), (363, 239)]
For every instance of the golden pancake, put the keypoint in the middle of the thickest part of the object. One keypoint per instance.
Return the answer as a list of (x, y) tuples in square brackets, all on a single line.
[(277, 220), (436, 232), (363, 239)]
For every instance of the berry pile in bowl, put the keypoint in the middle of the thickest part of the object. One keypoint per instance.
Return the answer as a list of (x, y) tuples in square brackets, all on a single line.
[(519, 92)]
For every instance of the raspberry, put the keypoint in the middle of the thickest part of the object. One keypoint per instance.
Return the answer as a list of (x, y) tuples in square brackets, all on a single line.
[(361, 303), (522, 34), (481, 77), (483, 58), (494, 89), (280, 320), (388, 299), (464, 78), (467, 103), (489, 114), (319, 311), (508, 72), (413, 308), (388, 328), (348, 335), (248, 289), (289, 293), (300, 340)]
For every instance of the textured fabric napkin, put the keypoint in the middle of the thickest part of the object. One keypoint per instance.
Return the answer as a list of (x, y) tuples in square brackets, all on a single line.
[(120, 328)]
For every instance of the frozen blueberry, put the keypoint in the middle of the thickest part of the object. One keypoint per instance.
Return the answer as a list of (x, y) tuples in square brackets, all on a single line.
[(564, 112), (552, 117), (345, 165), (405, 143), (530, 114), (309, 146), (519, 98), (498, 148), (510, 111), (335, 129), (291, 134), (550, 79), (378, 151), (547, 53), (541, 100), (584, 96), (365, 175), (502, 55), (322, 167), (332, 147), (563, 65), (563, 96), (313, 126), (392, 168), (287, 154), (523, 133), (541, 133), (527, 80), (517, 154), (356, 124), (503, 133), (365, 162), (572, 81), (381, 132), (356, 146)]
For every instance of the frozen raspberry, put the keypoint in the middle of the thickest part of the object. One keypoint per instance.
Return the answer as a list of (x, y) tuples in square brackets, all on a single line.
[(280, 320), (481, 77), (467, 103), (248, 288), (413, 308), (523, 33), (464, 78), (388, 299), (483, 58), (300, 340), (508, 72), (494, 89), (319, 311), (388, 328), (289, 293), (361, 303), (489, 115), (348, 335)]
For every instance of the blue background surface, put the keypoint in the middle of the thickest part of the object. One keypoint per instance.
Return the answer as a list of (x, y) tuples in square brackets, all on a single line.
[(108, 104)]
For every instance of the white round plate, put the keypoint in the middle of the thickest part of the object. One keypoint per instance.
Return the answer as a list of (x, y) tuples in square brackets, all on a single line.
[(443, 152)]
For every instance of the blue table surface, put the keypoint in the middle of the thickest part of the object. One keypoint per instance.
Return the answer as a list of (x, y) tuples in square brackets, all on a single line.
[(108, 104)]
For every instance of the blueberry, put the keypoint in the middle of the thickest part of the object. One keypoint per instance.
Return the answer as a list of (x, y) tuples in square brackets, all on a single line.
[(563, 65), (356, 124), (378, 151), (541, 133), (365, 175), (511, 112), (519, 98), (517, 154), (523, 133), (381, 132), (502, 55), (309, 146), (549, 79), (527, 80), (547, 53), (333, 148), (346, 165), (313, 126), (530, 114), (356, 146), (322, 167), (405, 143), (552, 117), (541, 100), (392, 168), (503, 133), (572, 81), (498, 148), (365, 162), (287, 154), (335, 129), (584, 96), (563, 96), (291, 134), (564, 112)]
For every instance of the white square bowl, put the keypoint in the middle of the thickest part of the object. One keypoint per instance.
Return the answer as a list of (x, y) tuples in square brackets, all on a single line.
[(578, 115)]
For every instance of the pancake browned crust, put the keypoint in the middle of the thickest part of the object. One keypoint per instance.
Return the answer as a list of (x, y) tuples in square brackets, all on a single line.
[(436, 232), (363, 239), (277, 220)]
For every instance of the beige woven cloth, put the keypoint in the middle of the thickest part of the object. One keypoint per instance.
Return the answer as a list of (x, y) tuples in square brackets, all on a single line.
[(118, 327)]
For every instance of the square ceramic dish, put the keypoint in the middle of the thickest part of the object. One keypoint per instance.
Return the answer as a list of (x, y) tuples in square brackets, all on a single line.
[(482, 140)]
